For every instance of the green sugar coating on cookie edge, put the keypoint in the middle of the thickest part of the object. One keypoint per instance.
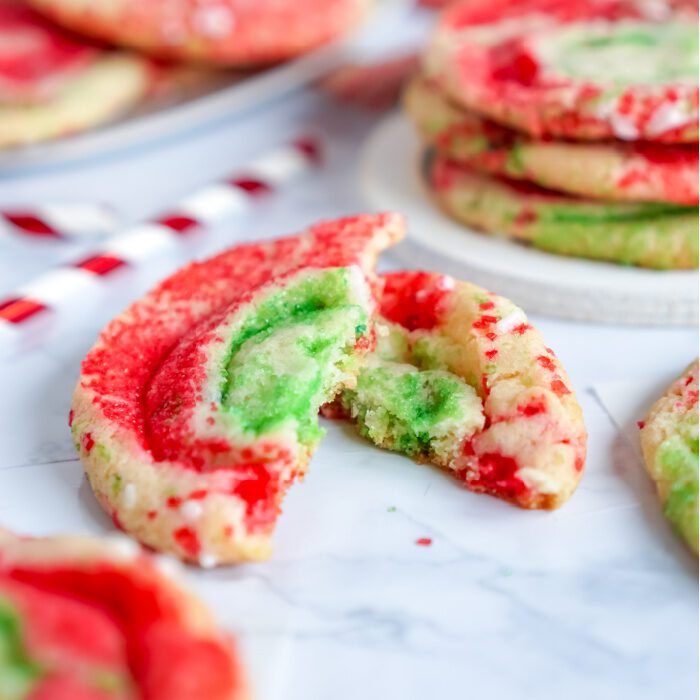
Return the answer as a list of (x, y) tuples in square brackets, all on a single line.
[(290, 353), (18, 673), (677, 463)]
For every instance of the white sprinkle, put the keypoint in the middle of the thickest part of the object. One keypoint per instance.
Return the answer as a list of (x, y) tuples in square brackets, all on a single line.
[(656, 9), (666, 117), (382, 330), (129, 496), (505, 325), (208, 561), (214, 22), (191, 510), (446, 283), (357, 283), (168, 565), (123, 547), (421, 295), (623, 126)]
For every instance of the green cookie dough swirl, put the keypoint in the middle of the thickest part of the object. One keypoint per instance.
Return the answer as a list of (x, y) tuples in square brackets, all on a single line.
[(657, 236), (402, 404)]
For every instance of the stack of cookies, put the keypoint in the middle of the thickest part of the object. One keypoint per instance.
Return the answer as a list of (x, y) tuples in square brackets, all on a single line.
[(568, 124)]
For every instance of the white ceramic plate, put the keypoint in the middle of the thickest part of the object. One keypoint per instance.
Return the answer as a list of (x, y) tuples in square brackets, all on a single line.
[(538, 281), (220, 96)]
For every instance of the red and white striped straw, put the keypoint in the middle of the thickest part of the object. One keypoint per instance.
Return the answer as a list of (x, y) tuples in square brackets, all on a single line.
[(135, 245), (62, 220)]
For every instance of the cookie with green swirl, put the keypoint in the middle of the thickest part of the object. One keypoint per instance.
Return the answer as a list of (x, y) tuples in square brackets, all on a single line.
[(197, 407), (669, 437), (606, 170), (460, 379), (91, 619), (578, 69), (645, 234)]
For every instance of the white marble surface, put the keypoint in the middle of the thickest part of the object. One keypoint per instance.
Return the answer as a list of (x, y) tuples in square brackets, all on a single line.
[(595, 601)]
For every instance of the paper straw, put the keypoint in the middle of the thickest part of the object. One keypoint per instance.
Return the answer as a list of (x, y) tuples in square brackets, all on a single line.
[(132, 247), (66, 220)]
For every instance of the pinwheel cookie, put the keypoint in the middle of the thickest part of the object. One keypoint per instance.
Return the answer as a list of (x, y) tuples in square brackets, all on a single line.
[(669, 437), (582, 69), (84, 619), (608, 170), (228, 32), (197, 407), (459, 378), (53, 84), (654, 235)]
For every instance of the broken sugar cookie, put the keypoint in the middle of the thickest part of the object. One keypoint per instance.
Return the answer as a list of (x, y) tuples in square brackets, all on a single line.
[(197, 407), (669, 437), (92, 619), (460, 379)]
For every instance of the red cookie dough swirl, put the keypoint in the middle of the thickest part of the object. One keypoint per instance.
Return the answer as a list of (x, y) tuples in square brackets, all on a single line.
[(581, 69), (197, 407), (52, 83), (227, 32), (461, 379), (84, 619)]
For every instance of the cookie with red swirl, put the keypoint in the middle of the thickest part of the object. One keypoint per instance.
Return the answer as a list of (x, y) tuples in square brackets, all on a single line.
[(197, 407)]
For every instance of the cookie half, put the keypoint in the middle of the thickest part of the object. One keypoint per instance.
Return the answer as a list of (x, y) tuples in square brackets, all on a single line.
[(580, 69), (460, 379), (669, 437), (197, 408), (225, 32), (89, 618), (609, 170), (659, 236)]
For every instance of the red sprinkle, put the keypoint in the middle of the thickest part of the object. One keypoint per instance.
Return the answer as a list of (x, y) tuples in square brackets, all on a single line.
[(187, 538), (71, 416), (546, 362), (641, 424), (424, 541), (497, 474), (522, 328), (534, 408), (87, 442), (174, 502), (559, 388), (490, 354), (415, 299), (484, 322)]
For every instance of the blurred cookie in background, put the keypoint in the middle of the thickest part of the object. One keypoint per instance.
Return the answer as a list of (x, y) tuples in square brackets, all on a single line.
[(221, 32), (53, 83)]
